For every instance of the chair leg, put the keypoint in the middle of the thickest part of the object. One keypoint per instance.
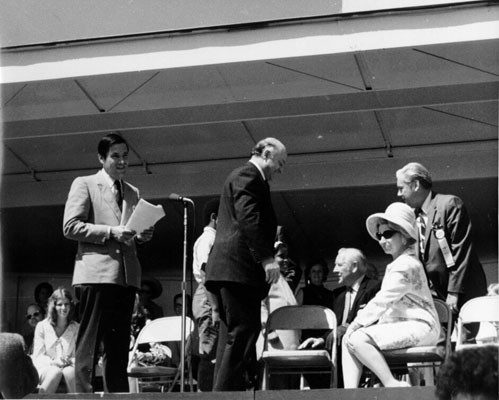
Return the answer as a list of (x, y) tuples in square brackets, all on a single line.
[(265, 377), (302, 382)]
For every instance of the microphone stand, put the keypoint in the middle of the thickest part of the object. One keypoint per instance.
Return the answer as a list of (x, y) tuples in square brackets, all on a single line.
[(185, 202), (184, 288)]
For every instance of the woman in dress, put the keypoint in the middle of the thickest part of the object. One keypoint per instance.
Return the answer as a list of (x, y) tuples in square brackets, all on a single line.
[(54, 344), (402, 314)]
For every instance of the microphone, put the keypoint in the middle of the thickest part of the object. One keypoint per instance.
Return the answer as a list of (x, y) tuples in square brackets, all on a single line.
[(176, 197)]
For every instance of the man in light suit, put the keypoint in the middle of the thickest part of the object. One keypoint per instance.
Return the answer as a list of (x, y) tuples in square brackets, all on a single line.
[(107, 271), (456, 274), (358, 288), (242, 266)]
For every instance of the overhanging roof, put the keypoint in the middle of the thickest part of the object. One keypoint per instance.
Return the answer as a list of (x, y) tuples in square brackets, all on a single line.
[(352, 98)]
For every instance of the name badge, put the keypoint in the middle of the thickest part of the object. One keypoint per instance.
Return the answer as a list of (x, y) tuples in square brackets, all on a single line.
[(444, 246)]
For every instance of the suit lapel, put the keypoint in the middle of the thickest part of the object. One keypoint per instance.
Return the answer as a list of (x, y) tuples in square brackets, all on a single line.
[(127, 206), (358, 298), (432, 212)]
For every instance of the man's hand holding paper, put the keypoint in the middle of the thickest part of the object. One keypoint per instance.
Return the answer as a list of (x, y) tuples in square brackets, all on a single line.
[(143, 219), (146, 234)]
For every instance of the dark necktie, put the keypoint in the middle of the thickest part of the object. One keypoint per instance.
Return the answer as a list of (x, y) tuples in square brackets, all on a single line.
[(421, 230), (117, 193), (348, 305)]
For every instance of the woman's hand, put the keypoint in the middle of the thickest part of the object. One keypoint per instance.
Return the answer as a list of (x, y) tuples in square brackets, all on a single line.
[(60, 363), (351, 329)]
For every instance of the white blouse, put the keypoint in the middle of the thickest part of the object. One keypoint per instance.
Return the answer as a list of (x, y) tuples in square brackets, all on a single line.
[(47, 346)]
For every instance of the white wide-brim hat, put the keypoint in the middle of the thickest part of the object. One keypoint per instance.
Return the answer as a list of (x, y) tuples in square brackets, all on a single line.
[(398, 214)]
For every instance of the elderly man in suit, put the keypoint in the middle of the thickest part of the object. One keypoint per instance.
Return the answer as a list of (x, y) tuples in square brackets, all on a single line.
[(445, 239), (107, 271), (357, 289), (241, 265)]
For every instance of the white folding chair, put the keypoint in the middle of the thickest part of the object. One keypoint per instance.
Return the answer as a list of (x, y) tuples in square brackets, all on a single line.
[(167, 329), (300, 361), (483, 310)]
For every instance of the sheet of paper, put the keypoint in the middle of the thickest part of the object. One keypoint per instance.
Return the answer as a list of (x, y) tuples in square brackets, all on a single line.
[(144, 216)]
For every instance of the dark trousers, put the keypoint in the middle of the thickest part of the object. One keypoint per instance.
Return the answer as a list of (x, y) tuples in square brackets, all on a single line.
[(240, 308), (105, 318)]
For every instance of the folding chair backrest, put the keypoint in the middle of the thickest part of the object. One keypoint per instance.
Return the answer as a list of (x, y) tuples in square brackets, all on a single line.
[(443, 311), (166, 329), (301, 317), (480, 309), (445, 317)]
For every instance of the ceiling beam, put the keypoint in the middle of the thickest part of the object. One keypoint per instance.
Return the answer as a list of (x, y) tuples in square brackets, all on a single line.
[(255, 110), (448, 162)]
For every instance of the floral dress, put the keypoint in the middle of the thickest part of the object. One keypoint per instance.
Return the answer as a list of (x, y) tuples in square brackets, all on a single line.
[(402, 314)]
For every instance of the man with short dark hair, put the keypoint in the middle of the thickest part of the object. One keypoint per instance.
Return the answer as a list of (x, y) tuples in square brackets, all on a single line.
[(241, 266), (445, 239), (107, 271)]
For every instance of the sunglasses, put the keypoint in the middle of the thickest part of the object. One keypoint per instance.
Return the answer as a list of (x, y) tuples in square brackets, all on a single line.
[(34, 315), (386, 234)]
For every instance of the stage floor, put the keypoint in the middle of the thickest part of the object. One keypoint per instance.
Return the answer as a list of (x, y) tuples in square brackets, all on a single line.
[(412, 393)]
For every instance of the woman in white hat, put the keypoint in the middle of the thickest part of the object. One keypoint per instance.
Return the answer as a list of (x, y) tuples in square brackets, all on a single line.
[(402, 313)]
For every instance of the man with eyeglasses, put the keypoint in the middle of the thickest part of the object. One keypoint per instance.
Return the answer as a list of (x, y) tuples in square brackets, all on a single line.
[(445, 239), (34, 314)]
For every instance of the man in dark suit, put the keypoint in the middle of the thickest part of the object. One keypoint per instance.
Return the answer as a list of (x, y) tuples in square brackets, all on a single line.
[(107, 271), (357, 290), (445, 238), (242, 266)]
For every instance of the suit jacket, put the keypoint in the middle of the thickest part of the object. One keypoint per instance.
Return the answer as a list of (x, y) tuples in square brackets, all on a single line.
[(246, 229), (466, 277), (90, 209), (367, 290)]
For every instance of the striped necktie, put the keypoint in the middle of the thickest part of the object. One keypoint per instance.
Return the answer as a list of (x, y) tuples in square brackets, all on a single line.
[(421, 230)]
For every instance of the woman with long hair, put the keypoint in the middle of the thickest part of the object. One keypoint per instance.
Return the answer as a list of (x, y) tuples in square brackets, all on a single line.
[(54, 344), (402, 314)]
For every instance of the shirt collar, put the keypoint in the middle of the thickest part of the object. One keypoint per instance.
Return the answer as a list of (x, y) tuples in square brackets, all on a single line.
[(209, 229), (259, 169), (109, 180)]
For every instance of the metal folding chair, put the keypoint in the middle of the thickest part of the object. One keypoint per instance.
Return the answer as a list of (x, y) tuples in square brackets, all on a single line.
[(299, 361), (167, 329), (483, 310)]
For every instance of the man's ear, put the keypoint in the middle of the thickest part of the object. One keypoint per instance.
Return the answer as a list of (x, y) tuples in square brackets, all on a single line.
[(266, 154), (355, 266), (101, 159)]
